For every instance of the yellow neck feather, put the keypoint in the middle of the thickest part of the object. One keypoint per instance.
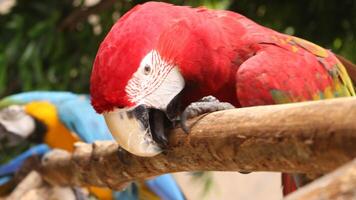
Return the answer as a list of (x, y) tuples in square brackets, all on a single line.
[(57, 135)]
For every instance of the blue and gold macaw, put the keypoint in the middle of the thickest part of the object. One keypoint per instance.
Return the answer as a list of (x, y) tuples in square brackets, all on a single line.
[(34, 122)]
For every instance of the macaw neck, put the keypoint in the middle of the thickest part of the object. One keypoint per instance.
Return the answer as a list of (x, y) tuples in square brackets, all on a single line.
[(216, 83), (57, 135), (39, 132), (208, 49), (209, 70)]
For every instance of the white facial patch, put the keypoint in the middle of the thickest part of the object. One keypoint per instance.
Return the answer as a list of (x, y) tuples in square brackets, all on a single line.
[(155, 83), (16, 121)]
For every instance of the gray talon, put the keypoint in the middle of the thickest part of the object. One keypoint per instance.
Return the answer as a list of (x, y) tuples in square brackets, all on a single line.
[(207, 104), (209, 99)]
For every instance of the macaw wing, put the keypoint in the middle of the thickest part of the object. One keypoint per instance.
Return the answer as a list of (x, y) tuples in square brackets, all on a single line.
[(15, 164), (275, 76), (283, 74), (329, 61), (79, 116)]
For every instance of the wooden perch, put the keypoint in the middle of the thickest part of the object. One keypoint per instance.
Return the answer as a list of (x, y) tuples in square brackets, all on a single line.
[(310, 137), (340, 184), (32, 181)]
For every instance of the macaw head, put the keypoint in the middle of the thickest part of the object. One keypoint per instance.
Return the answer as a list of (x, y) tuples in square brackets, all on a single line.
[(139, 74), (134, 94), (17, 126), (35, 121), (132, 86)]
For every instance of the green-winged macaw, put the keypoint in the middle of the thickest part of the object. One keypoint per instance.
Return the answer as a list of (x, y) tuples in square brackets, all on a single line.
[(33, 122), (159, 58)]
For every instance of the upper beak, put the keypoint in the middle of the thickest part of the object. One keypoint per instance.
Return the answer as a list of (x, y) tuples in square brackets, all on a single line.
[(131, 129)]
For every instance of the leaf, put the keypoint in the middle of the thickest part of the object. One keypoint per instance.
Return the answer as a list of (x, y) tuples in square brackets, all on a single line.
[(38, 29), (3, 77)]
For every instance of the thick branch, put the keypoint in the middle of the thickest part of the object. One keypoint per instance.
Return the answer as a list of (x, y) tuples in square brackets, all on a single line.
[(340, 184), (309, 137)]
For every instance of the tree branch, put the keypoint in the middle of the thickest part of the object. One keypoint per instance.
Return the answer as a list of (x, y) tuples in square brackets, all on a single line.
[(340, 184), (32, 181), (309, 137)]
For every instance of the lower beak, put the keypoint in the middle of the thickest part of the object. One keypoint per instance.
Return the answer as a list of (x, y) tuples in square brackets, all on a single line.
[(131, 129)]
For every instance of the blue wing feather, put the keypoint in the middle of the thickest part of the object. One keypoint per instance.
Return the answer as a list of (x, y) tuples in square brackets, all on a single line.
[(15, 164), (4, 180), (78, 115)]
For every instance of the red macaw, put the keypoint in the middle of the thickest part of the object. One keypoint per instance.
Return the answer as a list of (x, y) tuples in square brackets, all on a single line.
[(159, 56)]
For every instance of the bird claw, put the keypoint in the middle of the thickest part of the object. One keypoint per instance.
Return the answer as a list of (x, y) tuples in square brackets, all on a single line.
[(205, 105)]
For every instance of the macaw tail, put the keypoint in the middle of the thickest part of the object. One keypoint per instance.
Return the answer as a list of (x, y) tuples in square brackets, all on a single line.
[(288, 184)]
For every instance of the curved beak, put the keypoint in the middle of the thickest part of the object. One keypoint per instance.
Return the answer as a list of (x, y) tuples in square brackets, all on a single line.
[(141, 129), (131, 129)]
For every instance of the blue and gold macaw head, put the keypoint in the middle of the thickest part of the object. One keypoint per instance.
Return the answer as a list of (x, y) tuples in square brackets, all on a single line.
[(15, 125), (36, 121), (66, 117)]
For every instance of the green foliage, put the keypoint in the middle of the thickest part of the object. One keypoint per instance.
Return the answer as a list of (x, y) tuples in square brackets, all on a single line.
[(331, 24), (36, 52)]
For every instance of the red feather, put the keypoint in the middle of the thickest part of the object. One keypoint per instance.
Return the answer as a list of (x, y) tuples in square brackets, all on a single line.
[(119, 55)]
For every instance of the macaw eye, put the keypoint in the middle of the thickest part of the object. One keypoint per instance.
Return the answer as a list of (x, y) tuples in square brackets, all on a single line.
[(147, 69)]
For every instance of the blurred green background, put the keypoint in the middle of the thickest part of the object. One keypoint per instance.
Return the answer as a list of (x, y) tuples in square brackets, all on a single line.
[(50, 45)]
